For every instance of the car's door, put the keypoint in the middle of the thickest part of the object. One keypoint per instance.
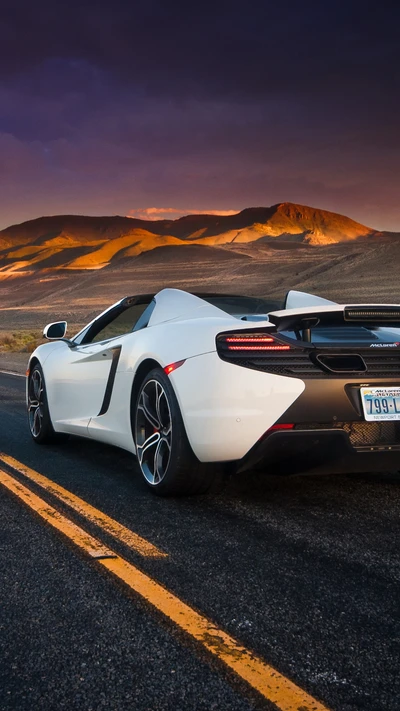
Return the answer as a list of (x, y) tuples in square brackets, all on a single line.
[(78, 387), (82, 388)]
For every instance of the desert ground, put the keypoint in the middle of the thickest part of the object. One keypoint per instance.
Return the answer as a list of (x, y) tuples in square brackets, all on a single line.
[(356, 272)]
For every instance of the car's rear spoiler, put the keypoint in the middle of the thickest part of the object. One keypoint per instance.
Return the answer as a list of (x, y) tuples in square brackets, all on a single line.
[(367, 315)]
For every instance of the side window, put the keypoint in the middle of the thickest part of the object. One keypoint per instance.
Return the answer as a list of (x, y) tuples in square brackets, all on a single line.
[(122, 324)]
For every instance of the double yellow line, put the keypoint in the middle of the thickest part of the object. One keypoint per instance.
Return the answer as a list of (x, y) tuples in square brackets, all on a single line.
[(272, 685), (115, 529)]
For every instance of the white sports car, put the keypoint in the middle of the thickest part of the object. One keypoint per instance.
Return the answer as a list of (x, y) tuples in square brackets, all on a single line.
[(188, 382)]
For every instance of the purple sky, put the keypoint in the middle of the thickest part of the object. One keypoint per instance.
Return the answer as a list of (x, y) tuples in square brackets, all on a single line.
[(116, 107)]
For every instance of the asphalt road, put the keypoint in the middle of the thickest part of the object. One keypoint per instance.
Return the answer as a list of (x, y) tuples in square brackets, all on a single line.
[(303, 571)]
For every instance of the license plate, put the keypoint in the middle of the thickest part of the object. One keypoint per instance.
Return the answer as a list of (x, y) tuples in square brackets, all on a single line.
[(381, 403)]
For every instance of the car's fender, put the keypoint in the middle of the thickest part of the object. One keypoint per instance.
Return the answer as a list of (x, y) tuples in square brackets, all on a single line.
[(226, 408)]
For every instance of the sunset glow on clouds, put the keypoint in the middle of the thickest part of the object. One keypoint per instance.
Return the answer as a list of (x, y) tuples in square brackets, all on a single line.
[(172, 213)]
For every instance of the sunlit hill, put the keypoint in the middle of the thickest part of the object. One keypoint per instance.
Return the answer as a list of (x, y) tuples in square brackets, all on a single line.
[(69, 242)]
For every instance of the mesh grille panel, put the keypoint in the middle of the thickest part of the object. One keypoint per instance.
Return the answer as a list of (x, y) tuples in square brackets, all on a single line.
[(361, 434)]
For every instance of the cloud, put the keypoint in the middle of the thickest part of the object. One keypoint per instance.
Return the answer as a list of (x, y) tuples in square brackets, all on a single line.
[(165, 213), (211, 49), (211, 105)]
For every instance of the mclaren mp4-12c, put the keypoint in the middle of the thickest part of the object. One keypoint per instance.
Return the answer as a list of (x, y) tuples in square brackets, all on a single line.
[(191, 382)]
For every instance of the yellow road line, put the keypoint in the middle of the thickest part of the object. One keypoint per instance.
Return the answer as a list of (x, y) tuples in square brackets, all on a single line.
[(275, 687), (76, 534), (115, 529)]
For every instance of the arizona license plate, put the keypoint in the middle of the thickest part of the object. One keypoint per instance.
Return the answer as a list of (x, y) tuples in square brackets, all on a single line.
[(381, 403)]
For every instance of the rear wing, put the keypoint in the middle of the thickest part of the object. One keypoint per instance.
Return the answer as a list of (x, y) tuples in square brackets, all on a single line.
[(367, 315)]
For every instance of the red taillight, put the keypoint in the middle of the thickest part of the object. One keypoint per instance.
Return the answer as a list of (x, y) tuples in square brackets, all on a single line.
[(258, 348), (259, 339), (173, 366), (254, 343), (246, 346)]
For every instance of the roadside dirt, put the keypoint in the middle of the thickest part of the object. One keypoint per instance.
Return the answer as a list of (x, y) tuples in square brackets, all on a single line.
[(347, 273), (14, 362)]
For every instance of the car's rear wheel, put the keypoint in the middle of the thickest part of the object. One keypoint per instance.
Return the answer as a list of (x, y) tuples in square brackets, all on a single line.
[(39, 419), (165, 457)]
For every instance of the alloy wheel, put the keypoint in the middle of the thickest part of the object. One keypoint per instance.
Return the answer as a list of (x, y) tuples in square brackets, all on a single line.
[(35, 403), (153, 431)]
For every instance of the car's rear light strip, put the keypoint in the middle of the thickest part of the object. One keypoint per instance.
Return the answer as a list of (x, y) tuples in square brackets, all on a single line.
[(259, 348), (243, 343), (241, 339)]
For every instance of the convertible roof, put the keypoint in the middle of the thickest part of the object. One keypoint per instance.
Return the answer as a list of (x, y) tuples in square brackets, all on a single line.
[(173, 304), (144, 298)]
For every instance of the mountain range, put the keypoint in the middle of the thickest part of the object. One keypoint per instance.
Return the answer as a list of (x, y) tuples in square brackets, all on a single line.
[(72, 267), (72, 242)]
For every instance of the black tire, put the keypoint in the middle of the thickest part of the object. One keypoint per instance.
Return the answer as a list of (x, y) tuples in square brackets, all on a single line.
[(165, 457), (39, 420)]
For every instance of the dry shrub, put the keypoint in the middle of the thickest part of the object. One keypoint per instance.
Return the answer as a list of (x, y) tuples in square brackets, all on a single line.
[(19, 341)]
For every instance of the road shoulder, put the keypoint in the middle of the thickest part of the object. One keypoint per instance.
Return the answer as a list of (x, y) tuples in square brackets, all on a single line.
[(14, 362)]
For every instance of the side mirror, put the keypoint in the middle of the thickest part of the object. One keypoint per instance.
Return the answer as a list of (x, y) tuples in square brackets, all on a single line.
[(54, 331)]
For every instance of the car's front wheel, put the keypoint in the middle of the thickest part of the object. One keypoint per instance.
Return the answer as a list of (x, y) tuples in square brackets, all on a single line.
[(165, 457)]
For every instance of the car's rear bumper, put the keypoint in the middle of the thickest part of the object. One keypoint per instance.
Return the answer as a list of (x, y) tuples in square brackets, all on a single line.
[(291, 452)]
